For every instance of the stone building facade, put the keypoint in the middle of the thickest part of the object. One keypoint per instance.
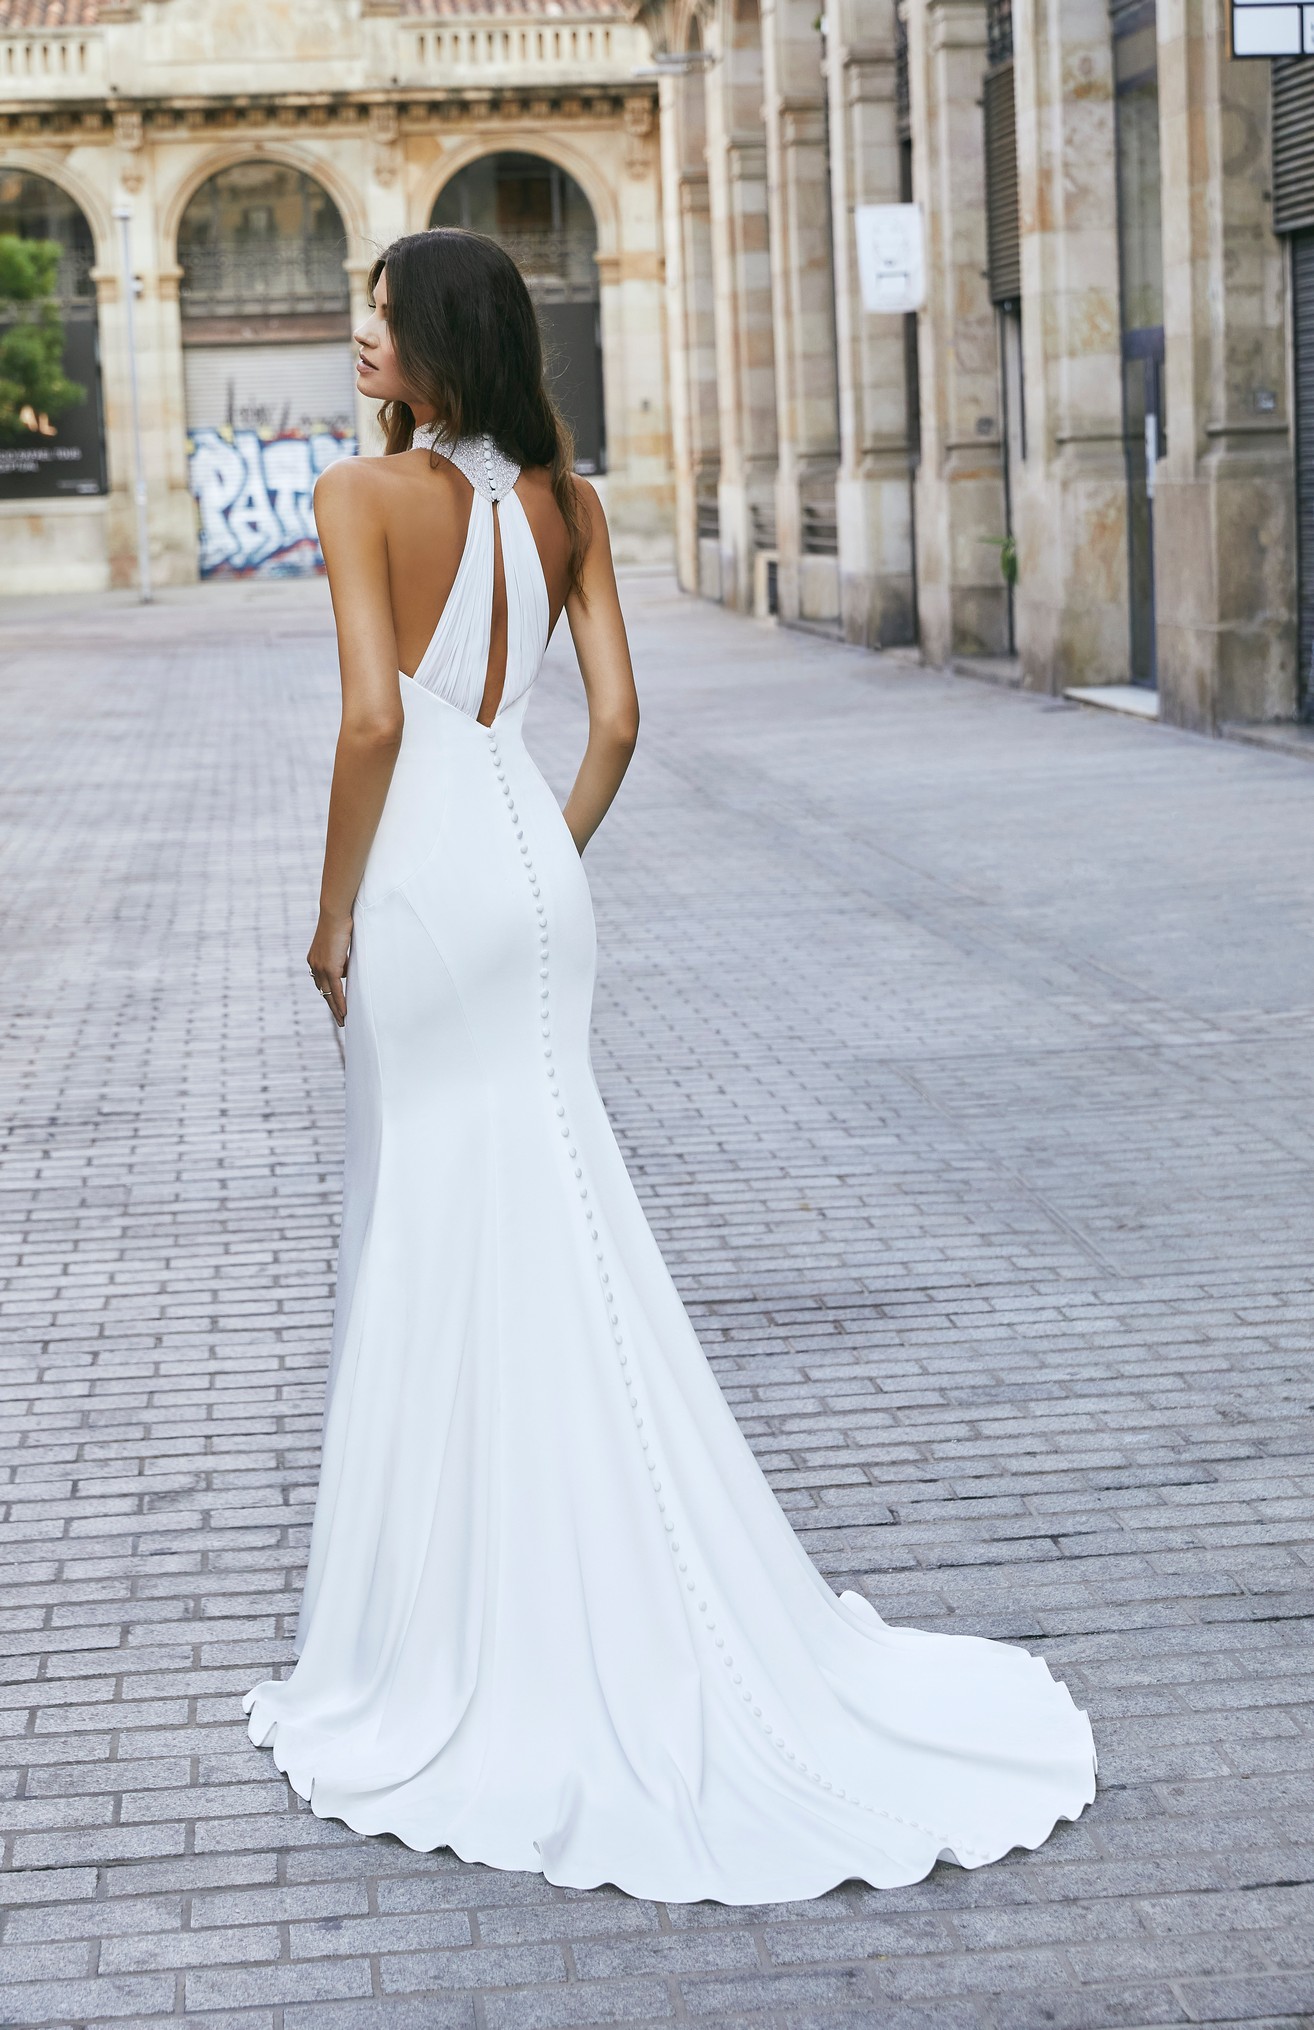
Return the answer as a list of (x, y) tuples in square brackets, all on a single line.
[(267, 149), (1110, 379)]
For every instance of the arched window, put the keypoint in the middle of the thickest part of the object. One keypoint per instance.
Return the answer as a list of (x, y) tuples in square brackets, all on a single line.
[(545, 222), (267, 367), (52, 439)]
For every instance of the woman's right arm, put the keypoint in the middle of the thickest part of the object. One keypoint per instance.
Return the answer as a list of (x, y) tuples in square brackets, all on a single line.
[(598, 632), (348, 514)]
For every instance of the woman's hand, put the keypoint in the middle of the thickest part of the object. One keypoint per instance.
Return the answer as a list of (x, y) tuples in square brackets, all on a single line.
[(330, 949)]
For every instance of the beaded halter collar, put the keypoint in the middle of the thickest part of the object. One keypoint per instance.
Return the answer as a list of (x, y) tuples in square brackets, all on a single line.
[(489, 471)]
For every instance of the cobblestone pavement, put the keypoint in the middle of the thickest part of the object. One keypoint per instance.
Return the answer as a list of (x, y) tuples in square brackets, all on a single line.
[(961, 1043)]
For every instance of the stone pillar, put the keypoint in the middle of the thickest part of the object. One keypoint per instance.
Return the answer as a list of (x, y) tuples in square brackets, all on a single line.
[(690, 324), (1070, 491), (741, 256), (807, 422), (637, 489), (962, 600), (1225, 568), (171, 515), (873, 499)]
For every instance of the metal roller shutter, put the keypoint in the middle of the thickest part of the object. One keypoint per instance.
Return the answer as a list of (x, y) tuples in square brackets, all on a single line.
[(1003, 238), (1302, 273), (263, 420), (1293, 145), (284, 390)]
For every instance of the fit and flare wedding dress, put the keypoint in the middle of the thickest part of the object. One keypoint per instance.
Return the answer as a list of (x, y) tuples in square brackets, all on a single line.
[(553, 1617)]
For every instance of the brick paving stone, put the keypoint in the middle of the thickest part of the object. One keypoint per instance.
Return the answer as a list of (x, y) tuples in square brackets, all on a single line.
[(962, 1047)]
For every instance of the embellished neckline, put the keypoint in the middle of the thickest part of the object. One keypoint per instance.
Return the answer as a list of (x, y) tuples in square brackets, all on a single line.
[(488, 469)]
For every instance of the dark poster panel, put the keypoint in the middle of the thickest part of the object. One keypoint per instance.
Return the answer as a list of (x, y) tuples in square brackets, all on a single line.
[(68, 455), (574, 371)]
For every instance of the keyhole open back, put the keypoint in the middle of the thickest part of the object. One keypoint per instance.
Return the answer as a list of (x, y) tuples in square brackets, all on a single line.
[(495, 673)]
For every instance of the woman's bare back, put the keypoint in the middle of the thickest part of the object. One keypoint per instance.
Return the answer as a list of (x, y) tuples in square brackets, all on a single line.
[(425, 504)]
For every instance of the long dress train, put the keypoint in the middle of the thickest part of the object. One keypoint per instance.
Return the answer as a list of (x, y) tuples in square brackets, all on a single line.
[(553, 1616)]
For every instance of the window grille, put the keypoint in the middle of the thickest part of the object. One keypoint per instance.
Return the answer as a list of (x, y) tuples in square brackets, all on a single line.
[(999, 31), (820, 529), (262, 240)]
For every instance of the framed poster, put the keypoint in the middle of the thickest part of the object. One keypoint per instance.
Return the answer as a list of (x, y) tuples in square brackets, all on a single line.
[(55, 458)]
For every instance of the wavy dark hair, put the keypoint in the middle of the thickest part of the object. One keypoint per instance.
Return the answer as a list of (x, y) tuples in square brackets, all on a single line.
[(467, 340)]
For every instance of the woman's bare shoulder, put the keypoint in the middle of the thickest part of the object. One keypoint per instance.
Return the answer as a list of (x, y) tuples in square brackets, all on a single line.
[(374, 485), (540, 476)]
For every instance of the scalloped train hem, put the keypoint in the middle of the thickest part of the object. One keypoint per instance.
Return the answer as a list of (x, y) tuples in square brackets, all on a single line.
[(303, 1786)]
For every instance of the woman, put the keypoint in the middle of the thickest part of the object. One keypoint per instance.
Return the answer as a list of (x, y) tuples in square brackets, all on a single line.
[(553, 1617)]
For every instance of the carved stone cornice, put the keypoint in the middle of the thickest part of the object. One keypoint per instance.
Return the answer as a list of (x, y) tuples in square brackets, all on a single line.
[(341, 115), (802, 122), (858, 55), (746, 157)]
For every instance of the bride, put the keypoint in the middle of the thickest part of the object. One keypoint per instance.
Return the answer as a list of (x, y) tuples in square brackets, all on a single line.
[(553, 1617)]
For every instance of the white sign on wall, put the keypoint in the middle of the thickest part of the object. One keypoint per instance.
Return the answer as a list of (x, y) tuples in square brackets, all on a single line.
[(1263, 28), (891, 257)]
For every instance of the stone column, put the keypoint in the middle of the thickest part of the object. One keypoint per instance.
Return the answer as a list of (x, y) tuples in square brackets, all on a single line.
[(171, 515), (741, 257), (637, 489), (1070, 491), (700, 353), (1225, 567), (962, 599), (807, 423), (873, 490), (691, 337)]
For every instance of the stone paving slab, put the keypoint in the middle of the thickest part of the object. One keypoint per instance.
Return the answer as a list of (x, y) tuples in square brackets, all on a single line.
[(962, 1046)]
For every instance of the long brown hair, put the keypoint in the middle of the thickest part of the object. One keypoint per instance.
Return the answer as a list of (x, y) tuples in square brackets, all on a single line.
[(467, 340)]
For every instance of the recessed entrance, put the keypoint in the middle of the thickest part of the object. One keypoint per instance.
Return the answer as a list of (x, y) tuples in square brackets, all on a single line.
[(266, 364)]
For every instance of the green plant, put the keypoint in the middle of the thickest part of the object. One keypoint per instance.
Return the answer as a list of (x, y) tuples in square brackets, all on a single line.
[(34, 388), (1007, 548)]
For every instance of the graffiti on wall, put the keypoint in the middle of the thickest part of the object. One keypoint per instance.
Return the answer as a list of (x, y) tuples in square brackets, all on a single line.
[(253, 495)]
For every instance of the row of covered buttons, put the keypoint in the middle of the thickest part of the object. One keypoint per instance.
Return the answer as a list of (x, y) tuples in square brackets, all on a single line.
[(617, 1332), (488, 468)]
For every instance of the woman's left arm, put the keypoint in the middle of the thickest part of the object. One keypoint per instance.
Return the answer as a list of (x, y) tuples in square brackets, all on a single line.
[(352, 537)]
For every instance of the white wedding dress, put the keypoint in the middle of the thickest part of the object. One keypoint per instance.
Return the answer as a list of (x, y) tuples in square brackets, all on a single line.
[(553, 1617)]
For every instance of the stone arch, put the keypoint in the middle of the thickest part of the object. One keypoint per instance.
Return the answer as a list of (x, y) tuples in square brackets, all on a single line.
[(262, 250), (319, 168), (576, 162), (89, 197), (687, 27)]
